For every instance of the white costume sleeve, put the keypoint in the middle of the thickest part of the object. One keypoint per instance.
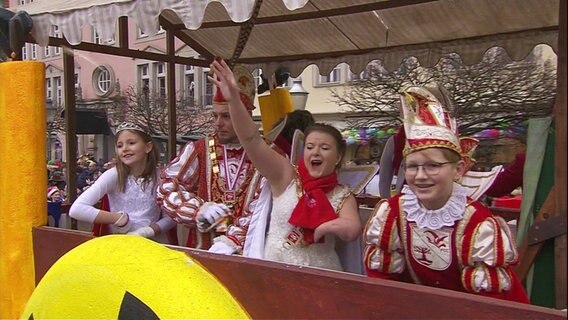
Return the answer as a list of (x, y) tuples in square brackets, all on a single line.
[(489, 260), (256, 235), (383, 250), (176, 181), (83, 208)]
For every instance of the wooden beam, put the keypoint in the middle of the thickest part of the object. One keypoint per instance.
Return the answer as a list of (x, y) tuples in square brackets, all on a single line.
[(560, 159), (71, 125), (124, 52), (171, 92), (178, 31), (528, 253), (550, 228), (123, 32), (271, 290), (43, 240)]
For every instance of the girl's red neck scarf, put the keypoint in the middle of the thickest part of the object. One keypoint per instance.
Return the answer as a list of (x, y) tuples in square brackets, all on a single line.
[(313, 207)]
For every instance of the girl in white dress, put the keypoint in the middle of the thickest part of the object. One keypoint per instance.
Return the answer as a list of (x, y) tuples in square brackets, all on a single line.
[(130, 187), (309, 207)]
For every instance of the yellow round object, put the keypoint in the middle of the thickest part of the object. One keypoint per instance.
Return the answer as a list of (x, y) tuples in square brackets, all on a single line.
[(119, 277)]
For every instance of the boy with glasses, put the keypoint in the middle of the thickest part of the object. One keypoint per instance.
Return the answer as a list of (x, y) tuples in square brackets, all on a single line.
[(433, 233)]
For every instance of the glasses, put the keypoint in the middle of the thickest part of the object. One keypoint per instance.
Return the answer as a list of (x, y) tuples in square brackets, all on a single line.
[(431, 168)]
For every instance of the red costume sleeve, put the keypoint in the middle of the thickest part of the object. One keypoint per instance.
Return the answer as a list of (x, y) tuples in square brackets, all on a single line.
[(509, 179)]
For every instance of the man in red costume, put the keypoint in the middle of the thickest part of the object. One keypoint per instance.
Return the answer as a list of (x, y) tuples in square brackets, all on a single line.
[(211, 184)]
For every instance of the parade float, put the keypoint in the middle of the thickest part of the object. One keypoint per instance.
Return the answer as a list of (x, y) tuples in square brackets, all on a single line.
[(57, 273)]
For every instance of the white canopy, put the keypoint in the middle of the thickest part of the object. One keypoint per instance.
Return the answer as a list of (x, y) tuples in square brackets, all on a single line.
[(297, 33)]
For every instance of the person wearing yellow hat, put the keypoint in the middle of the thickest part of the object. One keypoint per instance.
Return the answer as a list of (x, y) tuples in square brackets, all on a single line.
[(211, 184), (433, 233)]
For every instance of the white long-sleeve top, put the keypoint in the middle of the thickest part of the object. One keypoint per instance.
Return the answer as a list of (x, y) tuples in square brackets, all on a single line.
[(136, 201)]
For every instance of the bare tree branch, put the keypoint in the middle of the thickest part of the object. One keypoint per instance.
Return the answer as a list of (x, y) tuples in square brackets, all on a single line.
[(495, 93), (150, 112)]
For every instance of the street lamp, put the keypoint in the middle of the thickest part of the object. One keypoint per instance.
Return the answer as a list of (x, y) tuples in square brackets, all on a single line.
[(51, 116), (299, 94)]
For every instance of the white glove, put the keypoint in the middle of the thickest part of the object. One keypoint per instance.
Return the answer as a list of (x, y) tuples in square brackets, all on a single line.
[(212, 213), (146, 232), (222, 248), (123, 223)]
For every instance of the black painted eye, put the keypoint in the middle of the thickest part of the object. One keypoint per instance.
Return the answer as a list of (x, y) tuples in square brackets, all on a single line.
[(133, 308)]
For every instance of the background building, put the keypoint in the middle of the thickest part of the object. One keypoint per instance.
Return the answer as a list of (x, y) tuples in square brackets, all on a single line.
[(100, 79)]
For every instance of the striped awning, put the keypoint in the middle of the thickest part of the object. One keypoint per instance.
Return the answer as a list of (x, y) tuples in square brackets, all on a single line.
[(297, 33)]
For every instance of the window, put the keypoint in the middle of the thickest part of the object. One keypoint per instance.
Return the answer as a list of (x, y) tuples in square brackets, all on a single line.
[(333, 77), (160, 79), (144, 80), (189, 82), (103, 79), (24, 52), (257, 75), (58, 91), (55, 32), (48, 89), (47, 51), (207, 89), (21, 2), (98, 40), (34, 51)]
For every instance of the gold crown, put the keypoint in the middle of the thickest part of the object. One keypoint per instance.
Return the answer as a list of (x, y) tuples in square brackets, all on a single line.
[(127, 125)]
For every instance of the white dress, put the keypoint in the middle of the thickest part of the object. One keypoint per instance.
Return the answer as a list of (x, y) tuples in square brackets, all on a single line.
[(138, 202), (321, 255)]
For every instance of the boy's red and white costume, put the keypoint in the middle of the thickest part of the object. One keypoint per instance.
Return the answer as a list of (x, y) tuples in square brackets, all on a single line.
[(460, 246)]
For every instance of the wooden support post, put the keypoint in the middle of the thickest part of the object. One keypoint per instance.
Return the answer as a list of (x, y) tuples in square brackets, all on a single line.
[(71, 123), (529, 252), (123, 32), (171, 92), (560, 159)]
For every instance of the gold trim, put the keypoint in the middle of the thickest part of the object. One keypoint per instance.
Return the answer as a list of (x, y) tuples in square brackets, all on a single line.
[(421, 145)]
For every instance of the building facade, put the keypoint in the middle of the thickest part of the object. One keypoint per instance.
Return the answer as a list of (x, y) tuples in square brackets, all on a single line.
[(100, 78)]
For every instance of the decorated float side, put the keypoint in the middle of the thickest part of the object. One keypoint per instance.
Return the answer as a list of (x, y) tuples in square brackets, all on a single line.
[(50, 272)]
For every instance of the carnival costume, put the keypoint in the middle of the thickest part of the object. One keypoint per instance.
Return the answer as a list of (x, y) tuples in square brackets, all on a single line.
[(286, 241), (137, 201), (207, 171), (460, 246)]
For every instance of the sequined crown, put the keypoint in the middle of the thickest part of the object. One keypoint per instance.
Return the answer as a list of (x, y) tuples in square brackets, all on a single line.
[(428, 125), (127, 125)]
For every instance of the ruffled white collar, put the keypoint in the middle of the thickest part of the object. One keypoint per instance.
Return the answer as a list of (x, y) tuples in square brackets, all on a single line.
[(446, 216)]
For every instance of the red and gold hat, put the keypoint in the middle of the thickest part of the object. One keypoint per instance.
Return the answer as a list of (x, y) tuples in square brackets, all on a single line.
[(428, 125), (245, 82)]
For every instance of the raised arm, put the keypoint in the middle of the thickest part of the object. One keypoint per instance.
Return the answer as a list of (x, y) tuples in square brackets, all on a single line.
[(275, 168)]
